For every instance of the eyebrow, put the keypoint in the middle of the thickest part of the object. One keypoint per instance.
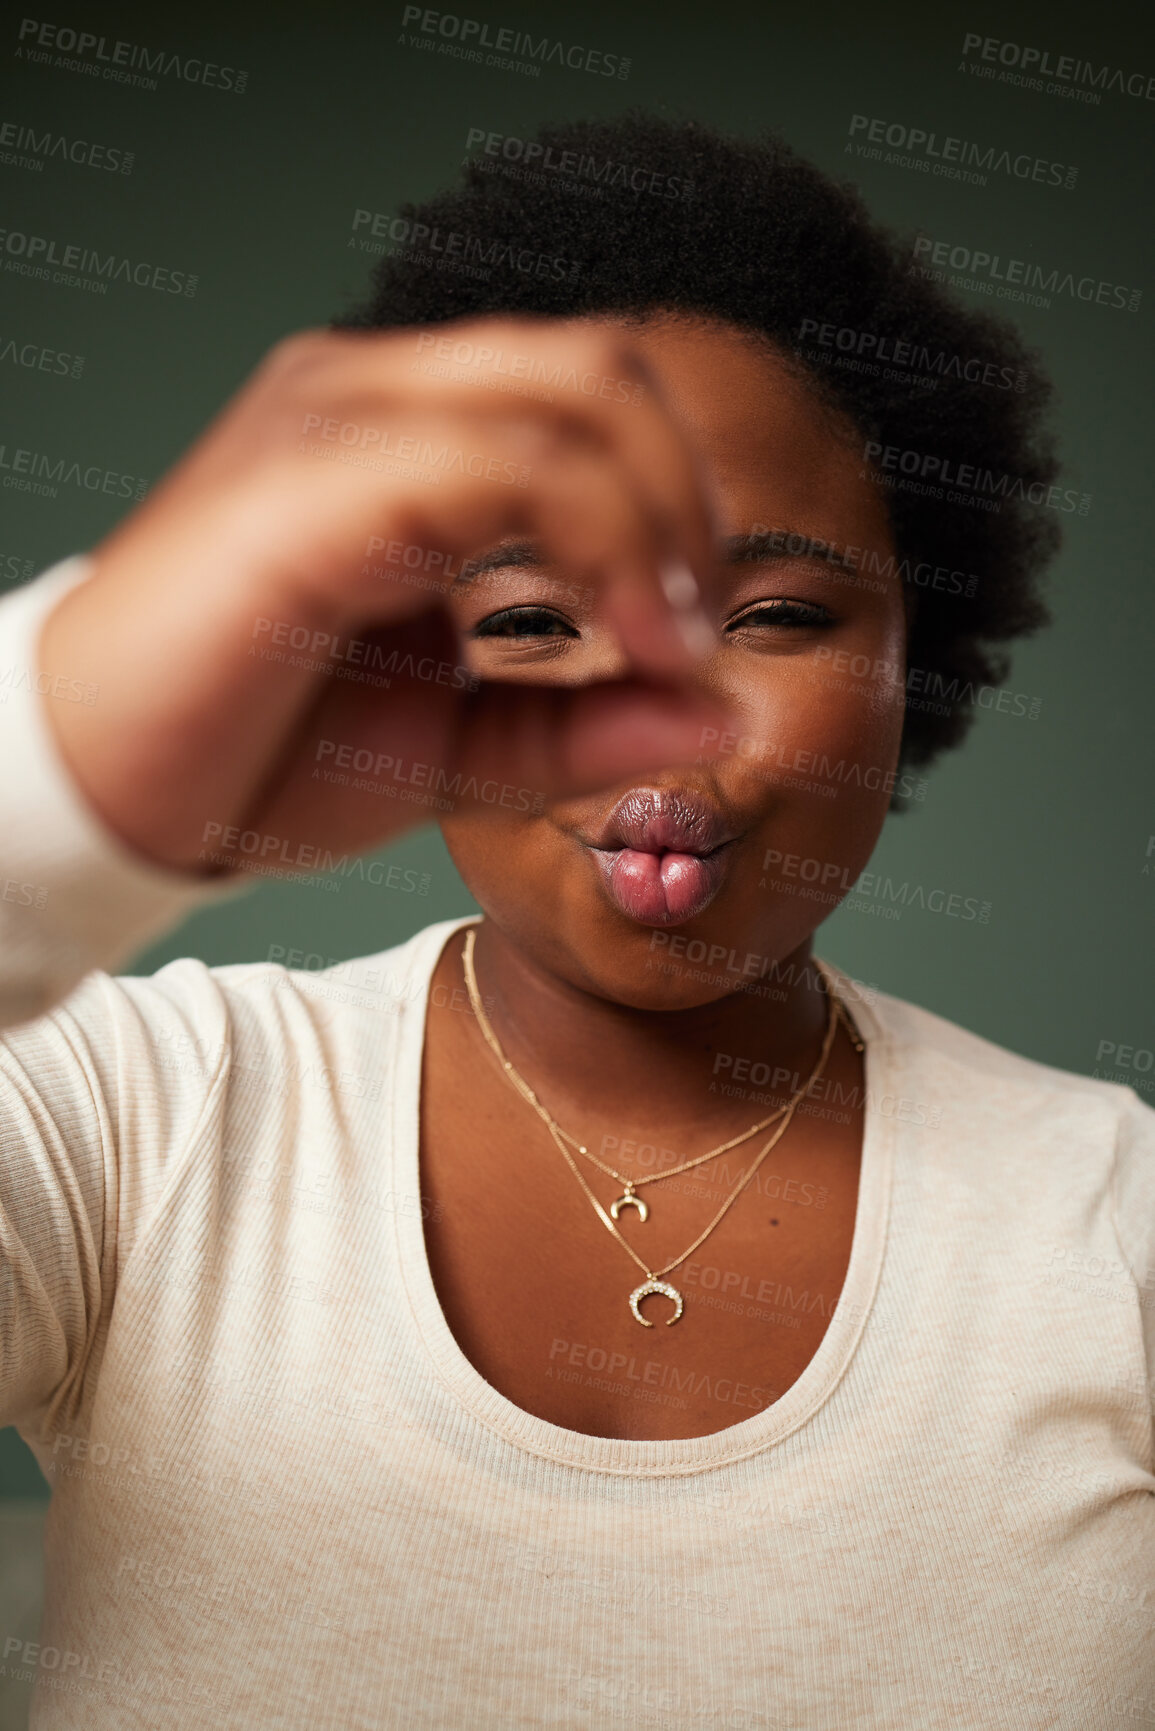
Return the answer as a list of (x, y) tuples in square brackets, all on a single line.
[(761, 548), (506, 555), (772, 544)]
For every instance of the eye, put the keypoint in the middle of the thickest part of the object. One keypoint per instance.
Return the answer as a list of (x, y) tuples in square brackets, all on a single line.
[(525, 622), (795, 614)]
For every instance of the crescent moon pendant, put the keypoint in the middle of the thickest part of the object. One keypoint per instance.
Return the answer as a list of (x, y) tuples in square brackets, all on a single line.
[(629, 1200), (648, 1286)]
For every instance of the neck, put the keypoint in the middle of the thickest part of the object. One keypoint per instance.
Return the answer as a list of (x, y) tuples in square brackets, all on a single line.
[(593, 1062)]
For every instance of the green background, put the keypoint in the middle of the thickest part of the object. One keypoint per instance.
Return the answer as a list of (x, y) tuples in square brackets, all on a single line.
[(1047, 820)]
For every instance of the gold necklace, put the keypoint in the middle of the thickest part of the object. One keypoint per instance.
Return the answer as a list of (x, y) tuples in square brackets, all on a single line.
[(653, 1281)]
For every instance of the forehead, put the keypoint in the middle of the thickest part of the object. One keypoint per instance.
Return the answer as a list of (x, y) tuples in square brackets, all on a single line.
[(776, 450)]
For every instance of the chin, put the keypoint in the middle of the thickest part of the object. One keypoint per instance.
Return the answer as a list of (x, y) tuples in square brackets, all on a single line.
[(680, 967), (551, 901)]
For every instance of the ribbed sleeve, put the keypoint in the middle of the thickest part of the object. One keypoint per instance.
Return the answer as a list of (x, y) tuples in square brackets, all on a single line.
[(1134, 1202), (90, 1111), (72, 896)]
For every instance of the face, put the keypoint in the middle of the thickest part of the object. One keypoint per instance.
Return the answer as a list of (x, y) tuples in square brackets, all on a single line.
[(671, 892)]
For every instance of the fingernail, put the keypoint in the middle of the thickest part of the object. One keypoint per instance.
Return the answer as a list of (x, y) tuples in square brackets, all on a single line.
[(680, 587)]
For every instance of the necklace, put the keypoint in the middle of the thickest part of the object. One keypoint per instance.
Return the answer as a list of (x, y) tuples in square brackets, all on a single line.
[(653, 1281), (629, 1198)]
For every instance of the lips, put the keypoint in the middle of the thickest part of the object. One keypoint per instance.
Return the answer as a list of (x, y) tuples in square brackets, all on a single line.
[(663, 854)]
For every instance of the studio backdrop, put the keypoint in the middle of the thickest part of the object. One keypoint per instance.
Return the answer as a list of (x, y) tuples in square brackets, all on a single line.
[(183, 188)]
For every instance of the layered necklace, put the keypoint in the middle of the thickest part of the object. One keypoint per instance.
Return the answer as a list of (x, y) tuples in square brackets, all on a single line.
[(654, 1281)]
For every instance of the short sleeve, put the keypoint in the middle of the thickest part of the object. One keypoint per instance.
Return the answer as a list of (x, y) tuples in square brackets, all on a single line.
[(1135, 1211), (101, 1099)]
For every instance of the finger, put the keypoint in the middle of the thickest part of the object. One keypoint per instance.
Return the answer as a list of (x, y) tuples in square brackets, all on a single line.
[(575, 499), (363, 768), (369, 374), (570, 740)]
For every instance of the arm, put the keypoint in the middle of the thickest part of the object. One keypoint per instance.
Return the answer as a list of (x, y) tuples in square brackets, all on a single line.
[(72, 895), (1134, 1202), (105, 803), (83, 1103)]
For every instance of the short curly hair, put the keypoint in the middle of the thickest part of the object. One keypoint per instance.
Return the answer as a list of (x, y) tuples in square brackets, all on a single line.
[(643, 214)]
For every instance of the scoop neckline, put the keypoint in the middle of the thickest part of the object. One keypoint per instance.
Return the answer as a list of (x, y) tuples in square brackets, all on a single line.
[(662, 1457)]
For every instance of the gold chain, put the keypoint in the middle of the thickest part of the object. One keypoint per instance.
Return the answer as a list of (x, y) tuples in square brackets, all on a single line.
[(653, 1276)]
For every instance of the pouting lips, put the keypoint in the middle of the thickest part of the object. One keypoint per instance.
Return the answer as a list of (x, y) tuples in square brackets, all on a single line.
[(663, 854), (662, 889)]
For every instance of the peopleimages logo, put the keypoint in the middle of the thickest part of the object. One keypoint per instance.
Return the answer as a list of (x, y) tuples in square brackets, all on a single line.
[(1031, 66), (872, 351), (945, 472), (31, 471), (83, 266), (982, 271), (448, 249), (954, 158), (542, 160), (102, 58), (36, 148), (465, 37), (39, 358)]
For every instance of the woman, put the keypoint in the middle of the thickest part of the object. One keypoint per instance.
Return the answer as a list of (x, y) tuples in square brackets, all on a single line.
[(431, 1341)]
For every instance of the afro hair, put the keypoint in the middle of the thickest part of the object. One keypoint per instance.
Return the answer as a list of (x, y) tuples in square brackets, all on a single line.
[(644, 215)]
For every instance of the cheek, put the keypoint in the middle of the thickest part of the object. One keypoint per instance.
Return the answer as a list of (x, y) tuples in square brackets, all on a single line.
[(498, 855), (832, 704), (816, 758)]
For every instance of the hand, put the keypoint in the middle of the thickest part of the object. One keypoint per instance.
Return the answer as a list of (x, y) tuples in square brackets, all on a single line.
[(266, 523)]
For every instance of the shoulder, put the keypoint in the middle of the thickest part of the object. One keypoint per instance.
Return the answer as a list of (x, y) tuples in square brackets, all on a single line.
[(990, 1070), (1029, 1129), (193, 1020), (291, 979), (1003, 1097)]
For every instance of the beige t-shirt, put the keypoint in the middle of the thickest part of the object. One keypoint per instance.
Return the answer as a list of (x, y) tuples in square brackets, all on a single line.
[(283, 1497)]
